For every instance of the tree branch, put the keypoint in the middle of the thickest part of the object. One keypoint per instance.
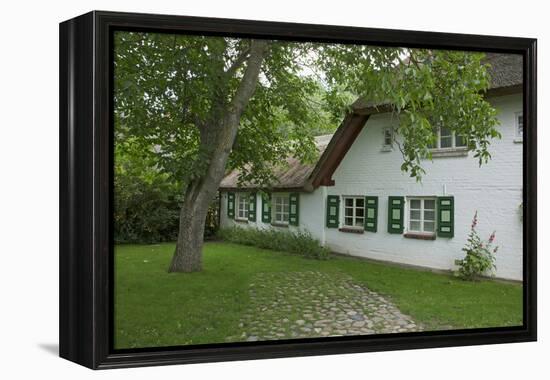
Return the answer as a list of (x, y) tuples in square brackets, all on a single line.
[(246, 88), (224, 133), (237, 63)]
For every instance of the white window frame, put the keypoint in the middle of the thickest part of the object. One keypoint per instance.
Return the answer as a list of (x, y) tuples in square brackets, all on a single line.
[(279, 217), (422, 209), (453, 142), (238, 199), (385, 145), (354, 212), (517, 116)]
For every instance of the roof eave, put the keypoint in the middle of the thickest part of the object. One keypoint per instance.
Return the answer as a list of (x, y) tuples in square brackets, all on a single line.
[(303, 188), (490, 93)]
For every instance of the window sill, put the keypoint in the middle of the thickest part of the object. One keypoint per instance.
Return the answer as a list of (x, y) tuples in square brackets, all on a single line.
[(351, 230), (284, 225), (244, 221), (419, 235), (449, 152), (518, 141)]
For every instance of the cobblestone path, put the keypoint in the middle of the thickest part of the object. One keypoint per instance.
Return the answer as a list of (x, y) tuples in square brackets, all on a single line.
[(315, 304)]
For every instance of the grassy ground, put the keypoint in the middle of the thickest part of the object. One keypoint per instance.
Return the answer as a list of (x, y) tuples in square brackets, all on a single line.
[(155, 308)]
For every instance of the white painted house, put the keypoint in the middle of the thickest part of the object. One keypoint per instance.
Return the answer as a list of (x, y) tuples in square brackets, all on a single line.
[(356, 200)]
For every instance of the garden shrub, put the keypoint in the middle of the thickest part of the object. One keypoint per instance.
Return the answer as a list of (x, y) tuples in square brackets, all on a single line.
[(145, 211), (299, 242), (480, 255), (147, 206)]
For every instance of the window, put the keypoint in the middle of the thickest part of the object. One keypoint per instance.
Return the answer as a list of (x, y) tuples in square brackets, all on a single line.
[(242, 206), (448, 139), (280, 208), (354, 212), (422, 215), (388, 139), (519, 125)]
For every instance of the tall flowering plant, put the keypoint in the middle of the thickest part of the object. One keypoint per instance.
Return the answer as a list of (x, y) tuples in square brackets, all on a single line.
[(480, 255)]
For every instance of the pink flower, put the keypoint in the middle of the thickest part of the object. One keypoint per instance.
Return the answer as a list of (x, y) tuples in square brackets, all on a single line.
[(492, 237), (474, 222), (496, 249)]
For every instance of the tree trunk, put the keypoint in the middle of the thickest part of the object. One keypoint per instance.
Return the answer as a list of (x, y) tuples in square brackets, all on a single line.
[(217, 137), (188, 253)]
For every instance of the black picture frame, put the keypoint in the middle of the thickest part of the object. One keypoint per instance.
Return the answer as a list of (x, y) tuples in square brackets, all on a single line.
[(86, 176)]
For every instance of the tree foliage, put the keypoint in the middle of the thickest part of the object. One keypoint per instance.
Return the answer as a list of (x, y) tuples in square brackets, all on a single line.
[(425, 89), (166, 86), (147, 202)]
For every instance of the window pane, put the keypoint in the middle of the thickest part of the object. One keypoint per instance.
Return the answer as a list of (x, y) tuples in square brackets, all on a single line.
[(415, 214), (433, 143), (360, 202), (429, 204), (348, 221), (429, 226), (460, 141), (359, 212), (359, 222), (285, 217), (415, 226), (349, 202), (429, 215), (447, 142), (446, 132), (387, 137), (415, 203), (349, 211), (520, 125)]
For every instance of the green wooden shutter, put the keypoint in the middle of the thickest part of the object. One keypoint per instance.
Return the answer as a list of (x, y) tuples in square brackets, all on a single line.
[(231, 205), (395, 214), (252, 207), (266, 208), (294, 213), (371, 213), (445, 216), (333, 209)]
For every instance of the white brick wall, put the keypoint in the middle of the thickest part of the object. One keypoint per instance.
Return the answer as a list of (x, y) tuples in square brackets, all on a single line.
[(311, 214), (494, 190)]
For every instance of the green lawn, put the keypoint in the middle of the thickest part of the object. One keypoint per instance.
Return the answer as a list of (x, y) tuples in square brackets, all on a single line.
[(155, 308)]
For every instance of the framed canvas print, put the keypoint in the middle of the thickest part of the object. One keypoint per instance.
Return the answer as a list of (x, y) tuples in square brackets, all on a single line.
[(236, 189)]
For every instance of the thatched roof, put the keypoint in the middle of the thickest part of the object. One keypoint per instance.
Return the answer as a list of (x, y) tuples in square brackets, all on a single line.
[(292, 176), (506, 70), (506, 73)]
